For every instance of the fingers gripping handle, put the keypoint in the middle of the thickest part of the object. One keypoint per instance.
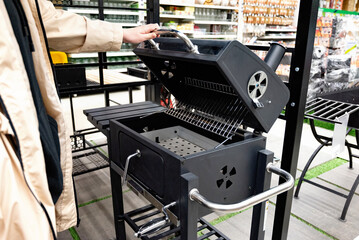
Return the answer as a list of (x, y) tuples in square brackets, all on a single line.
[(192, 48), (194, 194)]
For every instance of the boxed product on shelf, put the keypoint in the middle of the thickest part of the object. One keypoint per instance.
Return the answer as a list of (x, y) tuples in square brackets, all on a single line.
[(336, 4), (177, 10), (349, 5)]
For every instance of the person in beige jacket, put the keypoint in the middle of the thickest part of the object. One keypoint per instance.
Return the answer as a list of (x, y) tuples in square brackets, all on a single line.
[(27, 210)]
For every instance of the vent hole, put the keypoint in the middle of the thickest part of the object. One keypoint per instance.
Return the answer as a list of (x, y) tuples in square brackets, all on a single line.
[(228, 183), (224, 170), (232, 172), (220, 182), (157, 139)]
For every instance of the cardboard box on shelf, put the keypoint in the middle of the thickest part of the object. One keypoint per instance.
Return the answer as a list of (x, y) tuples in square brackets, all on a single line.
[(349, 5)]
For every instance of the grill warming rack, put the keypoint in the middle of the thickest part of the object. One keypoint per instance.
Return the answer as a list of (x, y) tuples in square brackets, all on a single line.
[(328, 110), (222, 118)]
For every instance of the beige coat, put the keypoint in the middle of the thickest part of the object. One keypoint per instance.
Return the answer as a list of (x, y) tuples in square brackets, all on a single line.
[(21, 190)]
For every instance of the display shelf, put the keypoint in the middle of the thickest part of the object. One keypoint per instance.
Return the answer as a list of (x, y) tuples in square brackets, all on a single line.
[(205, 22), (109, 54), (177, 16), (277, 38), (106, 11), (281, 30), (216, 7), (83, 10), (215, 36), (340, 12), (169, 3), (120, 12)]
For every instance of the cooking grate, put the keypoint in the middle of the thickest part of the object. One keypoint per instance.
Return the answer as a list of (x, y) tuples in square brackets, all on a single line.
[(218, 113), (209, 85), (328, 110)]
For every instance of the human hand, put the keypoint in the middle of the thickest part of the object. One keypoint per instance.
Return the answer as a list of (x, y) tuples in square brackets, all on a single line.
[(139, 34)]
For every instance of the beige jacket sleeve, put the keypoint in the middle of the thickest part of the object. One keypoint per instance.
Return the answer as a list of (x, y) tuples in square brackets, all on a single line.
[(72, 33)]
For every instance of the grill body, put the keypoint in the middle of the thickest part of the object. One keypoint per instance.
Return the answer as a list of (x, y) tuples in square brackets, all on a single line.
[(227, 174), (219, 92)]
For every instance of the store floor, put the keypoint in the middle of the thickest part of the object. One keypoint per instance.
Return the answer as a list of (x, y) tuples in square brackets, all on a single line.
[(314, 215)]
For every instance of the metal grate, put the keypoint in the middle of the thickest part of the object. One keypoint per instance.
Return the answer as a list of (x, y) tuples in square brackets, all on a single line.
[(181, 146), (217, 87), (328, 110), (211, 110), (77, 142), (142, 215), (88, 162)]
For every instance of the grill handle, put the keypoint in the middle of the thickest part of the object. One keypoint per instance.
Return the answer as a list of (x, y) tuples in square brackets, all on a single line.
[(192, 48), (155, 224), (194, 194), (274, 55), (136, 154)]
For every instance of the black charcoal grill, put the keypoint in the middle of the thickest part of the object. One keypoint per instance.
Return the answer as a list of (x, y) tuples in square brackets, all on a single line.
[(329, 107), (198, 150)]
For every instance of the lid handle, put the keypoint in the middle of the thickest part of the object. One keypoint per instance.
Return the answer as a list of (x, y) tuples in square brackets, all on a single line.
[(192, 48)]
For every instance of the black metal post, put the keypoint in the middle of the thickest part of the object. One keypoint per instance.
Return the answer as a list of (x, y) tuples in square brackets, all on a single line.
[(349, 198), (72, 115), (262, 183), (153, 11), (107, 98), (117, 200), (298, 86), (188, 208), (130, 94)]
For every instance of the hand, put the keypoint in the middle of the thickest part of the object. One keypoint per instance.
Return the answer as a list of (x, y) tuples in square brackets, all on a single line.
[(139, 34)]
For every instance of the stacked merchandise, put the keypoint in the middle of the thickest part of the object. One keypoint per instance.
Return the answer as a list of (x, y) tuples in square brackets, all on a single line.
[(270, 12), (269, 20), (333, 4), (335, 59)]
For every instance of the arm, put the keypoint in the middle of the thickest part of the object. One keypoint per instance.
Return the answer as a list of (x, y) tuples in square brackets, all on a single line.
[(70, 32)]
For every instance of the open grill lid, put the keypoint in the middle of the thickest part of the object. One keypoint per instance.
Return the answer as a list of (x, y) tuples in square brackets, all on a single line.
[(219, 88)]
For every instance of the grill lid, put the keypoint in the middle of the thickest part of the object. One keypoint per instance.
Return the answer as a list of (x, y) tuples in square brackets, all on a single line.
[(223, 86)]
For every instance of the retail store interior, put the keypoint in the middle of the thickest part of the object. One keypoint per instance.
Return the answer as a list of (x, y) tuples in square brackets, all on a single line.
[(313, 136)]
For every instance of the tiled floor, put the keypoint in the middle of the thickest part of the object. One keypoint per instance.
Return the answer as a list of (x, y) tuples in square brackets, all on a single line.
[(314, 214)]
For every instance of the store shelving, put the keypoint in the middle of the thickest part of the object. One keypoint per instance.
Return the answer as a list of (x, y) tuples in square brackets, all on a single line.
[(277, 37), (176, 16), (209, 22), (203, 18), (206, 36), (109, 54)]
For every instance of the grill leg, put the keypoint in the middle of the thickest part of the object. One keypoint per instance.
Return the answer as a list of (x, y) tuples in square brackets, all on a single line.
[(350, 156), (117, 201), (262, 184), (349, 199), (306, 169), (188, 208)]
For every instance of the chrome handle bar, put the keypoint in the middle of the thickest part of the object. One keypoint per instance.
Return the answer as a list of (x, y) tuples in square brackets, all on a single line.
[(194, 194), (192, 48), (136, 154)]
